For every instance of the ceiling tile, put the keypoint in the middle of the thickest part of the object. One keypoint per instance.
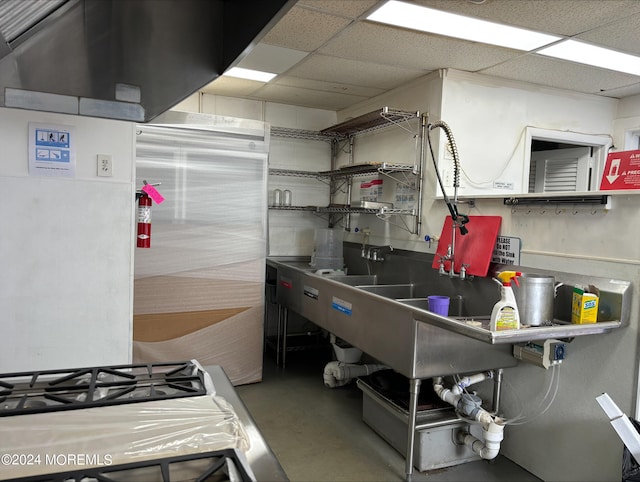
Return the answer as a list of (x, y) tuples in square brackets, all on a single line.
[(351, 59), (354, 72), (306, 97), (622, 35), (271, 58), (562, 17), (561, 74), (348, 8), (303, 29), (406, 48), (327, 86)]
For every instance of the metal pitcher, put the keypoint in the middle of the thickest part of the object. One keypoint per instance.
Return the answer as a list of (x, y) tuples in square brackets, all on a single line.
[(535, 298)]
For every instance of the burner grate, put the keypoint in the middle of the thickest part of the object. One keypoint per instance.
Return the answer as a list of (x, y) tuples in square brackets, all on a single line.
[(216, 466), (52, 390)]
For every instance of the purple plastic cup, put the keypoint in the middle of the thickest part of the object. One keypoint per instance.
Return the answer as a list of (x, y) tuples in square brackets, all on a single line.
[(439, 305)]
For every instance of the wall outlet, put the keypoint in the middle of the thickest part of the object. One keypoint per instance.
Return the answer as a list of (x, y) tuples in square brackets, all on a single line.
[(105, 168)]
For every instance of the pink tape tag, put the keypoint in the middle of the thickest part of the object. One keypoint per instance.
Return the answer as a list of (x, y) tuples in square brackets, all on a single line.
[(153, 193)]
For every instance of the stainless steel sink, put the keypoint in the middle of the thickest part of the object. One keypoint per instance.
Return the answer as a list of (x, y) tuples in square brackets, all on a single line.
[(456, 304), (421, 303), (387, 317), (355, 279), (394, 291), (314, 297)]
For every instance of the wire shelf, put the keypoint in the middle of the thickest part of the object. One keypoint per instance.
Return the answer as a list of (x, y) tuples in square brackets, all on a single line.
[(302, 134), (379, 211), (294, 173), (294, 208), (369, 122)]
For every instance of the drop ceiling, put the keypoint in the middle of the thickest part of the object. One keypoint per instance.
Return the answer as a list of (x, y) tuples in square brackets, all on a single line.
[(328, 56)]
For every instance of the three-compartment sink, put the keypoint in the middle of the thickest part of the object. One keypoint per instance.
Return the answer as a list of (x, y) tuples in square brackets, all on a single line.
[(389, 320), (356, 279), (393, 291), (406, 293), (420, 303)]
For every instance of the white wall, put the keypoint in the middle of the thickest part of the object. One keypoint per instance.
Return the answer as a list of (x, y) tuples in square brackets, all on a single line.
[(478, 119), (627, 124), (397, 145), (66, 249)]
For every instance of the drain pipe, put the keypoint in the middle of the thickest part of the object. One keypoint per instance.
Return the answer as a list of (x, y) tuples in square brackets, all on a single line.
[(492, 434), (453, 395), (469, 407), (337, 374)]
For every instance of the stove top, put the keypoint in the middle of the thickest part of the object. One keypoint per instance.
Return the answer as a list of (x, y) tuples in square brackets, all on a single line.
[(216, 466), (52, 390)]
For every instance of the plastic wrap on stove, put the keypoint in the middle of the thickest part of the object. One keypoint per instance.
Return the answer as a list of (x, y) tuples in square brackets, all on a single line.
[(118, 434)]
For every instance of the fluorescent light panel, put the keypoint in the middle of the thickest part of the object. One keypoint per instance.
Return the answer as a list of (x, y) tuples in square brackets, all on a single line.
[(249, 74), (425, 19), (589, 54)]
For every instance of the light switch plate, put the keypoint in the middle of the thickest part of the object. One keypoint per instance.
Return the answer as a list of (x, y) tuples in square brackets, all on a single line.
[(105, 168)]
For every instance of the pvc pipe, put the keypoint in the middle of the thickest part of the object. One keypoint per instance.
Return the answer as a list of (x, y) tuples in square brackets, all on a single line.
[(444, 393), (492, 428), (332, 376), (489, 449), (337, 374), (470, 380), (484, 417)]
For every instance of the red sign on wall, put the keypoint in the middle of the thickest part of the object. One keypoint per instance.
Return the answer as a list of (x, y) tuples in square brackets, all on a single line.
[(621, 171)]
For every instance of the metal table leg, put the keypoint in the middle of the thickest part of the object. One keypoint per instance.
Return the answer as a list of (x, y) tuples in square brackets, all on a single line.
[(414, 392), (281, 337), (285, 322), (279, 334)]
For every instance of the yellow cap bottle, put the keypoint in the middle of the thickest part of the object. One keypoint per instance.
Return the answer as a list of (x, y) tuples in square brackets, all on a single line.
[(504, 315)]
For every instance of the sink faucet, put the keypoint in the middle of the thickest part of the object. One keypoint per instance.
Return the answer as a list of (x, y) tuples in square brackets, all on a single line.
[(452, 274), (446, 257), (365, 240), (458, 221), (374, 253)]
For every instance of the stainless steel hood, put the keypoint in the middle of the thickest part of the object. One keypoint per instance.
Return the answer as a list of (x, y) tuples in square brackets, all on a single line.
[(123, 59)]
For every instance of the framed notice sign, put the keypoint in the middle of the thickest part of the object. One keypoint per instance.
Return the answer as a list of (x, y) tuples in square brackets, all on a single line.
[(52, 150), (621, 171), (507, 250)]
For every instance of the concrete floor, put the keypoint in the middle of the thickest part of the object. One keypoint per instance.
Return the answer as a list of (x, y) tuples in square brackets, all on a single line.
[(317, 433)]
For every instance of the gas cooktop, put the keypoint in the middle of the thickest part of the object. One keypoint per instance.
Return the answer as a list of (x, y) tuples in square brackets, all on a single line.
[(52, 390), (216, 466)]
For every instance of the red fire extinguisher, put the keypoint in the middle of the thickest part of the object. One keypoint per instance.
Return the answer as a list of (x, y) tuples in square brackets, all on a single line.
[(144, 221)]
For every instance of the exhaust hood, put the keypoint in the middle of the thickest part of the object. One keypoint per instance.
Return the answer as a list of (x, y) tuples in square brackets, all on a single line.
[(128, 60)]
